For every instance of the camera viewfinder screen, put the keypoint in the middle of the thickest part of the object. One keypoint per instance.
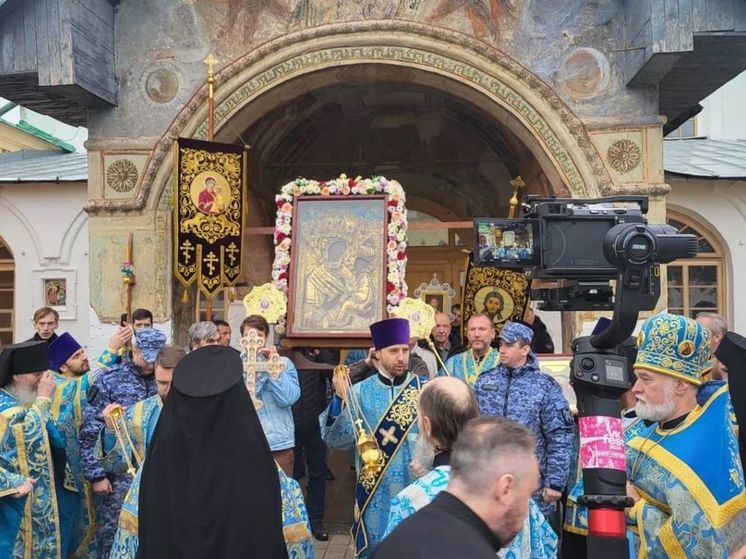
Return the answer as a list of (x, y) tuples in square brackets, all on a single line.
[(507, 243)]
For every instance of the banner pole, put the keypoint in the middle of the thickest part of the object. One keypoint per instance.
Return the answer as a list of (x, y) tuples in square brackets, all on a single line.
[(210, 61)]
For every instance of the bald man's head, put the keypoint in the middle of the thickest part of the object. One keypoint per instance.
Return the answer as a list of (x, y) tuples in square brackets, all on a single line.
[(446, 404)]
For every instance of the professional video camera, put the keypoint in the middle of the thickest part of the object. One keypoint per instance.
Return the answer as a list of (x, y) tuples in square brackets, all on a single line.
[(586, 244)]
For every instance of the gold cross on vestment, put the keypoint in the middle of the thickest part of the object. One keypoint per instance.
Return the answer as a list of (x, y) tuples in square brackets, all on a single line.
[(388, 435), (187, 248), (211, 259), (252, 343)]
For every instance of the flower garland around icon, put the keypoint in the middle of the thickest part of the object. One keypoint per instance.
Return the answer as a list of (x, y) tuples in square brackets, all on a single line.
[(396, 287)]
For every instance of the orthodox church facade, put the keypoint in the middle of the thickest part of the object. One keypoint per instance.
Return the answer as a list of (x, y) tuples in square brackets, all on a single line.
[(452, 99)]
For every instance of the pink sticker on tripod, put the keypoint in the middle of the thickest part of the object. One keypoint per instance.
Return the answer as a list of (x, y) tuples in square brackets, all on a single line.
[(602, 443)]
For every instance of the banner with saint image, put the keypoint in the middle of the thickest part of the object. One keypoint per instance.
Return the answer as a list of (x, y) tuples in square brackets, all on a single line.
[(500, 294), (209, 212)]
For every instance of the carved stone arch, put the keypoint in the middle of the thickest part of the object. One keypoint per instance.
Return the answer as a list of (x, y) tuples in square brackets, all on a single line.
[(449, 60)]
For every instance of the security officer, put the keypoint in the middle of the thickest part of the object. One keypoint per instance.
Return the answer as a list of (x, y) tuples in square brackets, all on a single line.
[(517, 389), (124, 384)]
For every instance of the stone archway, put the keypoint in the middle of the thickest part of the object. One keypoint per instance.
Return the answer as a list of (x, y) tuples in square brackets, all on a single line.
[(510, 92), (255, 84)]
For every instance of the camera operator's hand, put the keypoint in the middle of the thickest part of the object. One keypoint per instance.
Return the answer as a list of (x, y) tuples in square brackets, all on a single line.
[(632, 492)]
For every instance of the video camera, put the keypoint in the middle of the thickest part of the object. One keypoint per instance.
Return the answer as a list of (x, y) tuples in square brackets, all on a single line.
[(585, 244)]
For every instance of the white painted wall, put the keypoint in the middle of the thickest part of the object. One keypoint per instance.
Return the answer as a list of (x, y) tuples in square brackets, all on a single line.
[(47, 230), (720, 206), (723, 115)]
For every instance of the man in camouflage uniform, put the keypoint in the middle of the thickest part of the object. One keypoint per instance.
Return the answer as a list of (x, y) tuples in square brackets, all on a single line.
[(124, 384), (517, 389)]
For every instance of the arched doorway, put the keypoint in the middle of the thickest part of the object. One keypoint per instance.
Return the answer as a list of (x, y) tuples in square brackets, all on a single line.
[(350, 76), (7, 294)]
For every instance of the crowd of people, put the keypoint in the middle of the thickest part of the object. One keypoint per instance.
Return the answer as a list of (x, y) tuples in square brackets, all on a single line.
[(460, 451)]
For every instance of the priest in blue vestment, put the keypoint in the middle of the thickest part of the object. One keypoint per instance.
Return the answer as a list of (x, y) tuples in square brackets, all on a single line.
[(39, 502), (445, 406), (69, 365), (683, 467), (480, 355), (384, 406)]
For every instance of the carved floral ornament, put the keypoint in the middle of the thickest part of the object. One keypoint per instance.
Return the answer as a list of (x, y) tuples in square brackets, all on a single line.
[(121, 175), (624, 156)]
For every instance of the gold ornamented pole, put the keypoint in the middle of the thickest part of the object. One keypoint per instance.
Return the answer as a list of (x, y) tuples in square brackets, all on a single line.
[(128, 277), (210, 61), (517, 183)]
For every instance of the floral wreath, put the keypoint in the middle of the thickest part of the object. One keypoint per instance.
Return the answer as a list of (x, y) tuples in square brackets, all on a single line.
[(396, 287)]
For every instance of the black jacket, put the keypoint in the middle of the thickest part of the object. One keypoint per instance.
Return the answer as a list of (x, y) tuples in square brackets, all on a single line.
[(315, 387), (444, 529), (542, 342)]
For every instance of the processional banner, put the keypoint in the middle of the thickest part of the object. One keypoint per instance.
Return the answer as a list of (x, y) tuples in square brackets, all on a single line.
[(209, 212), (499, 293)]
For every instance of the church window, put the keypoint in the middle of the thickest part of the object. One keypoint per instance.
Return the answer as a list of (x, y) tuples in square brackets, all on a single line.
[(696, 284)]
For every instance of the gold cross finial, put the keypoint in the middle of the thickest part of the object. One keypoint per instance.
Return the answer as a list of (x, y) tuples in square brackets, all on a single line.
[(517, 183), (210, 61)]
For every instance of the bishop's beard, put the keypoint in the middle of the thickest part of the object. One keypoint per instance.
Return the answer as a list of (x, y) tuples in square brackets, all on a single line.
[(25, 396)]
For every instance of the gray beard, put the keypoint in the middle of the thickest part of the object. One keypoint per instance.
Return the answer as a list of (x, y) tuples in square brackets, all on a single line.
[(650, 412), (24, 396), (424, 452), (657, 412)]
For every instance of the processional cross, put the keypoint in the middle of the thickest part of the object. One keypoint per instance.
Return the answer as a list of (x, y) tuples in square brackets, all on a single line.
[(253, 342)]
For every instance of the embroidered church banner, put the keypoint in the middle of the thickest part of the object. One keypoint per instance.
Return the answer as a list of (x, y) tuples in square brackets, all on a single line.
[(209, 209), (500, 294)]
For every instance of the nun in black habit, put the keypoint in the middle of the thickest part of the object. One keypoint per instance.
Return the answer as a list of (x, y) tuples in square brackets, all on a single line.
[(210, 488)]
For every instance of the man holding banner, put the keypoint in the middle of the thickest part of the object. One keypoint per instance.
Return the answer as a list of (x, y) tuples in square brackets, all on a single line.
[(387, 404)]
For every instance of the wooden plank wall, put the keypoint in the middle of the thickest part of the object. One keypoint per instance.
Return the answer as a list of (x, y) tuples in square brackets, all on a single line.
[(658, 32), (67, 43), (92, 28), (17, 38)]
